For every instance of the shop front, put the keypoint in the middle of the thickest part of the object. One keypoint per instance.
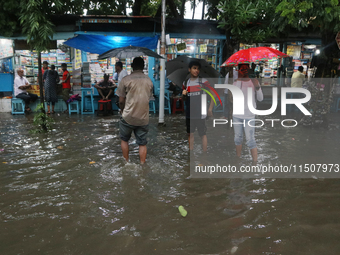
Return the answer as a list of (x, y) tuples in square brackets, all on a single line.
[(95, 35)]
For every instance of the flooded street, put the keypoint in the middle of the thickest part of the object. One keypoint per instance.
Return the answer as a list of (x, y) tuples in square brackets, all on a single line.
[(71, 192)]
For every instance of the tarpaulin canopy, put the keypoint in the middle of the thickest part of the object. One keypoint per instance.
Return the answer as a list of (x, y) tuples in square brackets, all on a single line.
[(101, 43)]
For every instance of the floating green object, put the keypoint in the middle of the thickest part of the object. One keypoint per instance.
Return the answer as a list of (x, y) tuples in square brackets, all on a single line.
[(182, 211)]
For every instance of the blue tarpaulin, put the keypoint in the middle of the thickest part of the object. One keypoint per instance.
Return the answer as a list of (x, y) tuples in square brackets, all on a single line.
[(101, 43)]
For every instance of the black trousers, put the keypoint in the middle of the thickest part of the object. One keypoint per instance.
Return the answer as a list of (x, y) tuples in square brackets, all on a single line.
[(27, 97)]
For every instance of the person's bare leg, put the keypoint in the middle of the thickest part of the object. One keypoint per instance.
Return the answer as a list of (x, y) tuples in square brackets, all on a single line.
[(254, 154), (52, 108), (101, 93), (142, 153), (108, 95), (204, 143), (125, 149), (238, 150), (48, 108), (191, 141)]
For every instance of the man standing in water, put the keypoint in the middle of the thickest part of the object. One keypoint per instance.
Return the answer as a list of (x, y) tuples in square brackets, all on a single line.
[(241, 122), (134, 92)]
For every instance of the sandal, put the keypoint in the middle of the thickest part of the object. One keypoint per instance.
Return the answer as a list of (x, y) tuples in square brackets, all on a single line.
[(53, 112), (28, 110), (48, 112)]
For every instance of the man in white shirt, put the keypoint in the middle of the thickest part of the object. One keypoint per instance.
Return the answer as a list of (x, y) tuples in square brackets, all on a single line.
[(121, 73), (117, 77), (21, 84), (298, 78)]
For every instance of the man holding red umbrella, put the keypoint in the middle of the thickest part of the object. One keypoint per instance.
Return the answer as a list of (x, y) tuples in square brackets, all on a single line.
[(241, 122)]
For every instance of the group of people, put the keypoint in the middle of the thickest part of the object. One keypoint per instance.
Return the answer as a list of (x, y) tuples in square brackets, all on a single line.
[(194, 119), (136, 89), (134, 92), (106, 87), (50, 78)]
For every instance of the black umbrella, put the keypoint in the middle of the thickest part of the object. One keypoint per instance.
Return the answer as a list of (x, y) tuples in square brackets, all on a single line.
[(177, 69), (128, 52)]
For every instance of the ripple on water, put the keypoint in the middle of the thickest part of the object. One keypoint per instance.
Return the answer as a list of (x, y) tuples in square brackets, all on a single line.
[(54, 201)]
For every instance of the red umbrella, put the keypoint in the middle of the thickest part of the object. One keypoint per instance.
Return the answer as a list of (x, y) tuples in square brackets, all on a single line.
[(253, 55)]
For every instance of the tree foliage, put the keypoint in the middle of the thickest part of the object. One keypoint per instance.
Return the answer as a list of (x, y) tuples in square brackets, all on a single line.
[(321, 14), (254, 21), (245, 21), (9, 23), (36, 24)]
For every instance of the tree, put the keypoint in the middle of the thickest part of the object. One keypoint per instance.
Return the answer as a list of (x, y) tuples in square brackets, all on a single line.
[(32, 19), (323, 16), (243, 21), (256, 21)]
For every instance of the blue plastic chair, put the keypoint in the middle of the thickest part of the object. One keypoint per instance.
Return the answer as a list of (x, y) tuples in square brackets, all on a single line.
[(167, 105), (167, 102), (152, 105), (18, 106)]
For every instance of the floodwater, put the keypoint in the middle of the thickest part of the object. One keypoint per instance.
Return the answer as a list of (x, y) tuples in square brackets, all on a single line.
[(71, 192)]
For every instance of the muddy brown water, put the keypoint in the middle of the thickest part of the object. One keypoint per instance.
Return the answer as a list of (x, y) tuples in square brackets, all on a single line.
[(71, 192)]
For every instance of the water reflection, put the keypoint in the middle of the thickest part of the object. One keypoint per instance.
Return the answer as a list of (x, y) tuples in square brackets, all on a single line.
[(71, 192)]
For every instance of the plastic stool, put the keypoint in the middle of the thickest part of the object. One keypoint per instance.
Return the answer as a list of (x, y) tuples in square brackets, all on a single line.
[(152, 105), (337, 107), (104, 107), (74, 107), (18, 106), (87, 95), (181, 105), (167, 100), (167, 105)]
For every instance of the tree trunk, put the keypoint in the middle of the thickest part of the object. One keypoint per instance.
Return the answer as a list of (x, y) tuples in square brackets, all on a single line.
[(203, 10), (124, 7), (182, 9), (193, 9), (229, 47), (137, 7), (173, 8), (41, 88)]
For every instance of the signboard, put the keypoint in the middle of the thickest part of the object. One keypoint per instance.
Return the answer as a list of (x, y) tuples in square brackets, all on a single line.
[(203, 48), (181, 46), (77, 63), (6, 49), (337, 39), (106, 21)]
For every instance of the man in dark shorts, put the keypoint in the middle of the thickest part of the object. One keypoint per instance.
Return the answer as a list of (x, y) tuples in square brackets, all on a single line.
[(134, 92), (106, 87), (192, 95)]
